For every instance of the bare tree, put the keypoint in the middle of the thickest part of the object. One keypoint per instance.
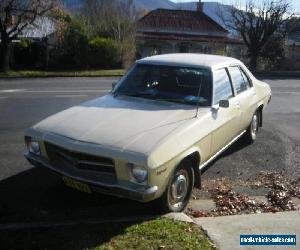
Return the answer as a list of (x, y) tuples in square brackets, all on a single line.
[(96, 13), (109, 17), (116, 19), (15, 16), (257, 23)]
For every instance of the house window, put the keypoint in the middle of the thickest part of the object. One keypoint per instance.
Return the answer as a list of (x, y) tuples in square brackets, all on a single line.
[(183, 48), (155, 51), (206, 49)]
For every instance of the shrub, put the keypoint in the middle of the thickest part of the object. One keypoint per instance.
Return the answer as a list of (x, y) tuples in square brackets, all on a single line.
[(25, 43), (27, 54), (103, 52), (73, 49)]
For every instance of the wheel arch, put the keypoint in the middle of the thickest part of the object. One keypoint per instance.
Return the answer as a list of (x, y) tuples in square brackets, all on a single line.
[(195, 157), (260, 110)]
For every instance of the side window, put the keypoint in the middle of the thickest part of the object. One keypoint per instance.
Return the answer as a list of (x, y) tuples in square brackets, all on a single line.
[(222, 86), (246, 78), (239, 79)]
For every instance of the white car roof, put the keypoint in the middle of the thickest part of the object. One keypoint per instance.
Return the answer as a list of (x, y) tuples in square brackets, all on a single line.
[(189, 59)]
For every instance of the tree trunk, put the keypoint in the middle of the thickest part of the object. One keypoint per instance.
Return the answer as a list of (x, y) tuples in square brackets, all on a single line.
[(253, 62), (46, 59), (5, 55)]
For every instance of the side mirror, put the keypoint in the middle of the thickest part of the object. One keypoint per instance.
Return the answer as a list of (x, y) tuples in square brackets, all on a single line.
[(224, 104)]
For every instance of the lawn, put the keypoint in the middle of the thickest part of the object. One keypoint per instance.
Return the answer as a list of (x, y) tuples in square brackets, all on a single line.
[(159, 233), (83, 73)]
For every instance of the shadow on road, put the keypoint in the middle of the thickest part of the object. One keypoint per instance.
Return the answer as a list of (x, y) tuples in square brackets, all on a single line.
[(235, 147), (75, 237), (39, 195)]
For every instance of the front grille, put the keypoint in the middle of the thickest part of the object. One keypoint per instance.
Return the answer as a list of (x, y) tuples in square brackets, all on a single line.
[(58, 156)]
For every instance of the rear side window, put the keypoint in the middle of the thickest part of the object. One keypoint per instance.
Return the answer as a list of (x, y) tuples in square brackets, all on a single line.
[(249, 85), (239, 79), (222, 86)]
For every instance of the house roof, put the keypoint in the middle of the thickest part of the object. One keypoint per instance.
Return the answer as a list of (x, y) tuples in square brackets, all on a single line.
[(190, 59), (162, 20), (41, 28)]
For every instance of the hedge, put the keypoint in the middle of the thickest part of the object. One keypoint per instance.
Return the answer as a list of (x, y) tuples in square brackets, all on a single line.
[(103, 52)]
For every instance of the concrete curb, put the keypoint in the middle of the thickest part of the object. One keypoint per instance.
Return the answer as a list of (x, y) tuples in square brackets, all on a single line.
[(179, 216), (185, 218), (225, 231)]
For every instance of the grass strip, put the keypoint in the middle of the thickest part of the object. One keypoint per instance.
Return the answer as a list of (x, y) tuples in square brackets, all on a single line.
[(84, 73)]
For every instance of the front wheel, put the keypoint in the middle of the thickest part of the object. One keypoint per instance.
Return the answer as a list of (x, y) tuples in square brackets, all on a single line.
[(251, 133), (179, 188)]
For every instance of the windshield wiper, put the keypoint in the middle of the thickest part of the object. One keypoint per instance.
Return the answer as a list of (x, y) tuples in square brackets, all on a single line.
[(154, 97), (138, 94), (175, 100), (184, 101)]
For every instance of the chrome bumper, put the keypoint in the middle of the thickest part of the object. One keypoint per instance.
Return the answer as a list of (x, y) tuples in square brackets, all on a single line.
[(142, 194)]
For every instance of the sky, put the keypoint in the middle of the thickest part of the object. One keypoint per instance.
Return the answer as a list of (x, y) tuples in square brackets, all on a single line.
[(295, 4)]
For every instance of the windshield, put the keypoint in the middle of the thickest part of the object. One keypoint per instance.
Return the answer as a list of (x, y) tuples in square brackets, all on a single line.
[(168, 83)]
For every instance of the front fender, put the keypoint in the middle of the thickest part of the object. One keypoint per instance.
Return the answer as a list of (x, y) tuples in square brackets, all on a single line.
[(161, 175)]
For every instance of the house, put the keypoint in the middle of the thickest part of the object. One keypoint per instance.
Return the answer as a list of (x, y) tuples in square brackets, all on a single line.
[(42, 34), (42, 28), (164, 31), (292, 60)]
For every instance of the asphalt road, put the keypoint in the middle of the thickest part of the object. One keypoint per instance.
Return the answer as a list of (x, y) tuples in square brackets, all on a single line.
[(35, 194)]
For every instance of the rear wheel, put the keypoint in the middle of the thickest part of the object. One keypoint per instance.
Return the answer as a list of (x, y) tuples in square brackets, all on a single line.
[(179, 188), (251, 133)]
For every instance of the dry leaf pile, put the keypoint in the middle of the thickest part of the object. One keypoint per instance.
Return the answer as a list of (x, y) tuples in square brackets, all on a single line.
[(228, 202)]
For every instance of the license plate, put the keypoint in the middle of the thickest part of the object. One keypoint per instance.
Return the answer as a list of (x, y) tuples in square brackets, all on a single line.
[(76, 185)]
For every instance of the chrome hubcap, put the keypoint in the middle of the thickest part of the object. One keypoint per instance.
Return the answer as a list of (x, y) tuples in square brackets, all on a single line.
[(179, 188), (254, 125)]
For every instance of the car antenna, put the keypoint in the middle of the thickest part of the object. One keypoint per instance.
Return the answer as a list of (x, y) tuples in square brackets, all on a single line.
[(199, 90)]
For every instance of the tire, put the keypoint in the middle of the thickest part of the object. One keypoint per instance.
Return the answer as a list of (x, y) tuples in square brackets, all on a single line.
[(179, 189), (252, 130)]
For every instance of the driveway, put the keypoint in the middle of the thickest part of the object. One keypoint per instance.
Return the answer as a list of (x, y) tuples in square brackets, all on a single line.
[(34, 194)]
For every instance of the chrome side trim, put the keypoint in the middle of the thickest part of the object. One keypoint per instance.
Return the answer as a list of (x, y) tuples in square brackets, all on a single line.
[(222, 150)]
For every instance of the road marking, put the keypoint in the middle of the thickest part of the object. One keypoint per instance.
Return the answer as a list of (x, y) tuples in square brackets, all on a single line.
[(31, 225), (68, 91), (12, 90), (55, 91), (70, 96)]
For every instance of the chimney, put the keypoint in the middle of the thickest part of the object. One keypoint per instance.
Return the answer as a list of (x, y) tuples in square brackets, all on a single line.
[(200, 6)]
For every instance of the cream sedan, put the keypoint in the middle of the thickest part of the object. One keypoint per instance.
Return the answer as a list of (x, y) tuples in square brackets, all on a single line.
[(148, 139)]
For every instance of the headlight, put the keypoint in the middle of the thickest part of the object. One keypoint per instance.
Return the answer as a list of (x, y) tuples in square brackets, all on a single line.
[(33, 146), (139, 173)]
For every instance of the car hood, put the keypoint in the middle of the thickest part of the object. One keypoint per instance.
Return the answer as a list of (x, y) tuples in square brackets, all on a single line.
[(127, 123)]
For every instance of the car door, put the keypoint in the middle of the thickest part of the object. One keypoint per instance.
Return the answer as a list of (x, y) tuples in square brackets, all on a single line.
[(226, 121), (245, 94)]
